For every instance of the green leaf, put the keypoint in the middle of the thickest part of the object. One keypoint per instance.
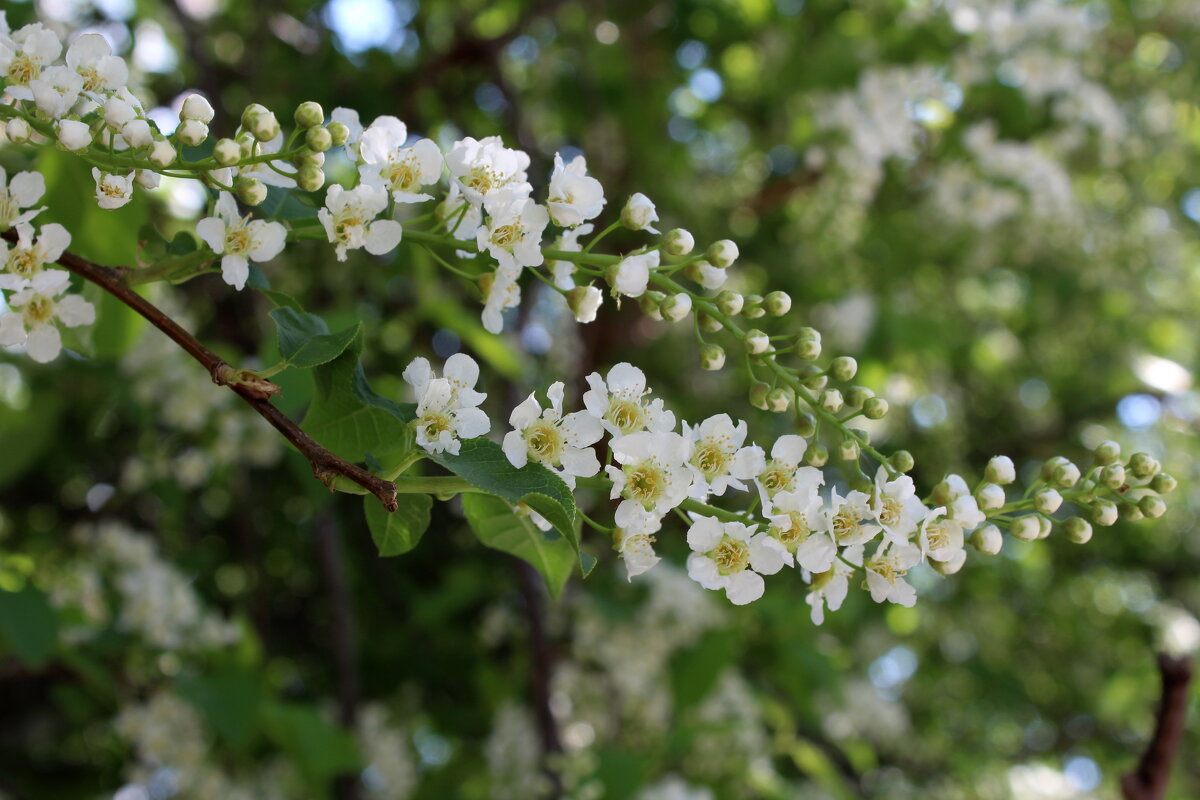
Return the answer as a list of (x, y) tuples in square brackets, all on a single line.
[(279, 299), (320, 749), (286, 204), (28, 626), (398, 532), (350, 419), (499, 528), (230, 699), (305, 340)]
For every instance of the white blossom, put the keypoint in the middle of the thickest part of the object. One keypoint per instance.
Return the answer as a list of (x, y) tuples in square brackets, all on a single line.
[(24, 55), (239, 240), (91, 58), (56, 90), (18, 196), (484, 167), (631, 275), (783, 473), (850, 519), (513, 231), (574, 197), (799, 525), (28, 256), (112, 191), (620, 402), (652, 472), (349, 218), (585, 302), (886, 570), (634, 538), (828, 588), (562, 443), (896, 506), (36, 311), (940, 537), (639, 213), (388, 164), (447, 407), (717, 458), (733, 557), (501, 294)]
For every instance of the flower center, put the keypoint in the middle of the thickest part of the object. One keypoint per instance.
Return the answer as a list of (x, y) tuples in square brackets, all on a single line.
[(349, 228), (937, 535), (111, 188), (626, 415), (38, 310), (483, 179), (8, 209), (92, 82), (888, 568), (545, 441), (507, 235), (793, 536), (730, 556), (24, 262), (402, 175), (645, 482), (237, 240), (23, 69), (847, 522), (777, 478), (821, 579), (711, 459), (890, 513), (434, 423)]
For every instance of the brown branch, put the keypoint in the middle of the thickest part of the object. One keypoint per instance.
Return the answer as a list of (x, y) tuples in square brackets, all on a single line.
[(1149, 780), (255, 391)]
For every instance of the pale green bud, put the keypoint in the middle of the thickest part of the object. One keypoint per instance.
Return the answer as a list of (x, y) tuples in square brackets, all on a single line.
[(849, 450), (650, 302), (902, 461), (251, 113), (191, 132), (1107, 452), (729, 302), (1050, 465), (1001, 470), (1078, 530), (1026, 528), (857, 395), (712, 357), (816, 382), (989, 496), (162, 154), (758, 394), (1045, 526), (676, 307), (875, 408), (1047, 501), (710, 324), (1152, 506), (227, 152), (777, 303), (1143, 465), (318, 139), (250, 191), (18, 131), (831, 401), (843, 368), (678, 242), (310, 178), (753, 309), (1105, 512), (987, 539), (1113, 477), (808, 349), (309, 114), (197, 108), (1131, 512), (778, 400), (1065, 475), (806, 426), (265, 127), (722, 254), (817, 455), (1164, 483), (757, 341), (339, 132)]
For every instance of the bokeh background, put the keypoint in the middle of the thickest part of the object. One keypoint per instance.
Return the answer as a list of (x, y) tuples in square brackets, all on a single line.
[(992, 205)]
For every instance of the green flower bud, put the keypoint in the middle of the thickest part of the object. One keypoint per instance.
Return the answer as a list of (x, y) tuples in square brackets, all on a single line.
[(808, 349), (1065, 475), (710, 324), (1050, 465), (1143, 465), (339, 132), (843, 368), (777, 303), (1152, 506), (191, 133), (863, 436), (1113, 477), (1107, 452), (251, 114), (712, 357), (831, 401), (1001, 470), (1045, 525), (754, 306), (1105, 512), (857, 395), (722, 254), (678, 242), (1163, 483), (651, 304), (318, 139), (1078, 530), (849, 450), (1026, 528), (676, 307), (309, 114), (806, 426), (902, 461), (250, 191), (1047, 501), (226, 152), (730, 303), (817, 455), (265, 127), (163, 154), (757, 341), (758, 394), (779, 399), (951, 566), (309, 158), (816, 382), (987, 539), (310, 178), (875, 408), (990, 496), (1131, 512)]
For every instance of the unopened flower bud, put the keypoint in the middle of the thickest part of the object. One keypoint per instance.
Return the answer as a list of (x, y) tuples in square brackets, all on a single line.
[(1001, 470), (250, 191), (758, 394), (1131, 512), (1065, 475), (1047, 501), (73, 135), (318, 139), (137, 132), (1026, 528), (712, 357), (1105, 512), (817, 455), (1051, 464), (1164, 483), (585, 302), (196, 108), (147, 178), (339, 132), (251, 113), (857, 395), (191, 132), (729, 302), (875, 408), (816, 383), (757, 341), (265, 127), (639, 213), (227, 152), (1107, 452), (902, 461), (831, 401), (1143, 465), (990, 496), (753, 309), (1152, 506), (951, 566), (676, 307), (779, 400), (1078, 530), (1045, 526), (987, 540), (777, 303), (843, 368), (310, 178), (678, 242), (722, 253), (18, 131), (309, 114), (163, 154), (806, 426), (710, 324), (848, 450), (651, 304), (1113, 477)]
